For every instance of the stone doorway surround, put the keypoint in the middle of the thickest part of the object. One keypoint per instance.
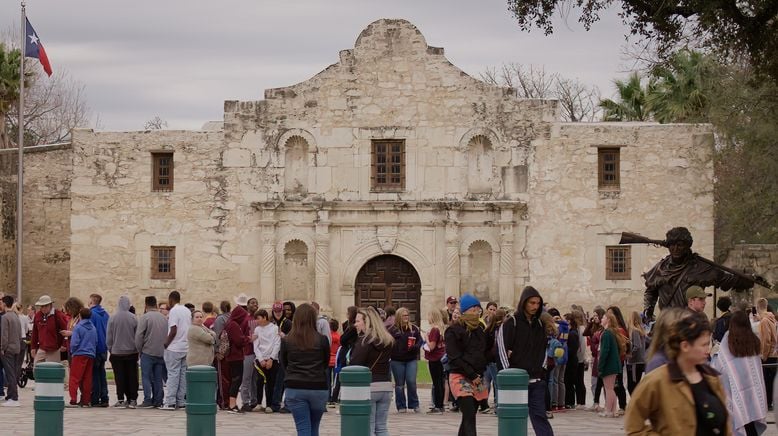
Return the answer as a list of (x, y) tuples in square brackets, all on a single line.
[(389, 280)]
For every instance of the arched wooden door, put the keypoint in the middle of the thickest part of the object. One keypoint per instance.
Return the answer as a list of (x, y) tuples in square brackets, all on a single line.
[(389, 281)]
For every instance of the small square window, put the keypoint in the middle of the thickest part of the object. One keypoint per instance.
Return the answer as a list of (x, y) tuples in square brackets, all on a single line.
[(163, 263), (162, 172), (618, 262)]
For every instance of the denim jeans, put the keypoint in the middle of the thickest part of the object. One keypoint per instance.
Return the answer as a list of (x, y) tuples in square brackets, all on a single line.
[(152, 368), (490, 378), (379, 412), (536, 393), (176, 378), (404, 373), (307, 407), (248, 385), (99, 381)]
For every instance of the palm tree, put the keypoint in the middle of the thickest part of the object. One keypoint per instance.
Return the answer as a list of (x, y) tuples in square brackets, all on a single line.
[(631, 104), (9, 88), (682, 87)]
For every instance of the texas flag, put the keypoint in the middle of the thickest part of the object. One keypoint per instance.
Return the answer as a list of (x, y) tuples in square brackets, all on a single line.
[(34, 49)]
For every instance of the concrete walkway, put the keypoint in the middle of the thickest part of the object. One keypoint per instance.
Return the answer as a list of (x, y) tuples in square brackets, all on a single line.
[(114, 422)]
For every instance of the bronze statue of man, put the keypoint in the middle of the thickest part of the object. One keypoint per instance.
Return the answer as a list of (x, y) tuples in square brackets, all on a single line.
[(668, 280)]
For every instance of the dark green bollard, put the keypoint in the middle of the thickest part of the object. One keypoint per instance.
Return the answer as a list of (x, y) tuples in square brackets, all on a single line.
[(201, 401), (355, 401), (49, 398), (512, 398)]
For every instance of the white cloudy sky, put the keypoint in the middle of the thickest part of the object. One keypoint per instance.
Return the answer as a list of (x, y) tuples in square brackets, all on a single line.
[(180, 59)]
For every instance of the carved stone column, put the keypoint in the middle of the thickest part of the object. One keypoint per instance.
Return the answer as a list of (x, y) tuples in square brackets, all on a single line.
[(322, 261), (267, 277), (452, 259), (507, 293)]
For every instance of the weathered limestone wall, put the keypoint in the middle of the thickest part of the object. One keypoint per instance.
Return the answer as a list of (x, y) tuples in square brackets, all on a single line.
[(46, 261), (760, 259), (465, 141), (666, 181), (116, 217)]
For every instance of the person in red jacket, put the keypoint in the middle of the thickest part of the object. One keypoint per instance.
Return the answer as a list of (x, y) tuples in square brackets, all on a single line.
[(47, 326), (334, 345), (238, 340)]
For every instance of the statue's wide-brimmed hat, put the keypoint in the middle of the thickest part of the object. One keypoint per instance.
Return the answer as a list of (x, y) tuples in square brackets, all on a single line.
[(242, 300)]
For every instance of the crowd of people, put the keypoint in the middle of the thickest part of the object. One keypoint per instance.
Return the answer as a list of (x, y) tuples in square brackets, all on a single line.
[(683, 373)]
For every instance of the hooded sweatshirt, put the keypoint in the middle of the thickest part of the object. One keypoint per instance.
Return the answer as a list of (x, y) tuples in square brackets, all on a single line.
[(525, 338), (83, 342), (120, 336), (238, 340), (100, 322), (151, 333)]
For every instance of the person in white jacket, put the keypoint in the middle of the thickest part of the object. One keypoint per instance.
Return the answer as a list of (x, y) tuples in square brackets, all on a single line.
[(266, 346)]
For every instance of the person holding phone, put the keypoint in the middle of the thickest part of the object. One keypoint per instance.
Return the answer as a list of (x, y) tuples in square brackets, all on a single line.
[(404, 363)]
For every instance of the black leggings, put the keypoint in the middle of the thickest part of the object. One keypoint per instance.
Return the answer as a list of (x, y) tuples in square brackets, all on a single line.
[(621, 393), (438, 386), (598, 390), (236, 377), (634, 374), (467, 406)]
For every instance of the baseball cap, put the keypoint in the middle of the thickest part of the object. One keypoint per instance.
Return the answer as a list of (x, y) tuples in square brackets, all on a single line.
[(278, 307), (696, 292), (451, 299)]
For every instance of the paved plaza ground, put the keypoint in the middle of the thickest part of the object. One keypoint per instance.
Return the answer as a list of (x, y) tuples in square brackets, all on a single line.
[(115, 422)]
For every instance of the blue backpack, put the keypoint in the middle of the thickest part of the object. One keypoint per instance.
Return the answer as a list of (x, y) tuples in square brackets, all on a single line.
[(556, 351)]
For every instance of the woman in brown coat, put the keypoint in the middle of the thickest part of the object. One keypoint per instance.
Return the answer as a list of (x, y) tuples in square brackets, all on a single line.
[(684, 396)]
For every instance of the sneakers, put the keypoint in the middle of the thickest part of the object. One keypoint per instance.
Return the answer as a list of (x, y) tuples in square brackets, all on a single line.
[(402, 410), (268, 410), (487, 411), (120, 404), (284, 410), (11, 403), (167, 407), (619, 412), (416, 410), (581, 407), (435, 411), (145, 405), (606, 415), (132, 404), (72, 405), (549, 415), (594, 408), (236, 410)]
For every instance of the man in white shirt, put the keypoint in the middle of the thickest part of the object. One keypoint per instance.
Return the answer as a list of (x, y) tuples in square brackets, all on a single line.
[(176, 347), (266, 346)]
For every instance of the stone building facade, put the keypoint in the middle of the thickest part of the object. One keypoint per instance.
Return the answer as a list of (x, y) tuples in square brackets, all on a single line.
[(391, 177)]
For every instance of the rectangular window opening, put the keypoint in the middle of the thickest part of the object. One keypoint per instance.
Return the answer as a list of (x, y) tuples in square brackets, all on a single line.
[(388, 165), (618, 262), (163, 263), (608, 169), (162, 172)]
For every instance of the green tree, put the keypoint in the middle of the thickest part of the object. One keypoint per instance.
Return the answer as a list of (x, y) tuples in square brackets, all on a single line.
[(681, 88), (9, 88), (632, 101), (746, 29)]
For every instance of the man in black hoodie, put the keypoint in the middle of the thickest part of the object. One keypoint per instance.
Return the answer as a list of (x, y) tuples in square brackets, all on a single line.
[(522, 344)]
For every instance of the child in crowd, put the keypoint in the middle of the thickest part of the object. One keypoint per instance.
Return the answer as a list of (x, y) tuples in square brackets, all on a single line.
[(83, 346), (334, 345)]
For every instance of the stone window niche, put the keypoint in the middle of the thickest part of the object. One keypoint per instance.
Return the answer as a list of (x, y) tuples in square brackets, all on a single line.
[(388, 165), (296, 166), (297, 276), (480, 164), (162, 171), (618, 262), (163, 263), (481, 270), (608, 169)]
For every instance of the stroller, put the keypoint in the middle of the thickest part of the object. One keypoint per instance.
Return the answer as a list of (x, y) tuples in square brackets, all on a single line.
[(27, 367)]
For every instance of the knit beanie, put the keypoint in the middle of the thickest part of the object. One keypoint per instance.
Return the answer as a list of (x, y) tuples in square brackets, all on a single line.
[(466, 302)]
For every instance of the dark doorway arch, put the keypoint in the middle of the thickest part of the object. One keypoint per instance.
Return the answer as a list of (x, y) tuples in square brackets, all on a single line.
[(389, 281)]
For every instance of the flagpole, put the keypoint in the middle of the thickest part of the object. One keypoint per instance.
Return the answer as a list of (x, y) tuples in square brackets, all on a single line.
[(20, 164)]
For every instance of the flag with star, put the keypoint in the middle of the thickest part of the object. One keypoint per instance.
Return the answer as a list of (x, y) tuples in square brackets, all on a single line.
[(33, 48)]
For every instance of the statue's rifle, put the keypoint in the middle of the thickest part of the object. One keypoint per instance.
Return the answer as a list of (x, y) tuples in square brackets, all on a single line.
[(634, 238)]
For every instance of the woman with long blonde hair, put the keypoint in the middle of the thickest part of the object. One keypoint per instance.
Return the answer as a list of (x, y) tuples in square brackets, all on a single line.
[(405, 358), (372, 350), (433, 352), (612, 347), (660, 333), (636, 362)]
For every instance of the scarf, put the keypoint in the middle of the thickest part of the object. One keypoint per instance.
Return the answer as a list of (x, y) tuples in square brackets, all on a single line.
[(470, 320), (742, 381)]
